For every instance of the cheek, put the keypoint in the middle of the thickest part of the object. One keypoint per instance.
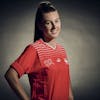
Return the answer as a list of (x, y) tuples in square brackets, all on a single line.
[(46, 29), (59, 25)]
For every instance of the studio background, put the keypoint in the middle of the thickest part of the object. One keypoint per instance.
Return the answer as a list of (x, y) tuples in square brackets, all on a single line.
[(80, 36)]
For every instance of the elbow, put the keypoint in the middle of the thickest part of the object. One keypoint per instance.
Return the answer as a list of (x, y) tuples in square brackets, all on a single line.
[(6, 75)]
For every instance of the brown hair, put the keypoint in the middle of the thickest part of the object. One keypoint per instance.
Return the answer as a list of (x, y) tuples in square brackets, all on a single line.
[(44, 7)]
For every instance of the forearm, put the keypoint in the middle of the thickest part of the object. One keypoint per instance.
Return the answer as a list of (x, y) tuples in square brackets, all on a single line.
[(13, 80), (18, 89), (71, 98)]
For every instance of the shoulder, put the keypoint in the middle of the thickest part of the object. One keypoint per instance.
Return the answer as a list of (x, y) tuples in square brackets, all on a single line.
[(30, 48), (33, 46), (60, 47)]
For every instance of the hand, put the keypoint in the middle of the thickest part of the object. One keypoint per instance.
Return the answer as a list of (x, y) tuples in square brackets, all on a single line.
[(71, 98)]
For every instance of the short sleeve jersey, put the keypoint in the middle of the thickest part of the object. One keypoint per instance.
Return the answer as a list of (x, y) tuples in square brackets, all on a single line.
[(47, 69)]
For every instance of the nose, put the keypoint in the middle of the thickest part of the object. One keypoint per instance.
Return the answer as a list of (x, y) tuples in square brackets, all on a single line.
[(53, 25)]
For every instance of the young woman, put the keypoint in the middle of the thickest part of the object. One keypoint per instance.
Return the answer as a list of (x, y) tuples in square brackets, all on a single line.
[(44, 61)]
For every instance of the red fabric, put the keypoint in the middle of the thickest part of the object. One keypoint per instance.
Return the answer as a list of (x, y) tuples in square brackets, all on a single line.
[(25, 62), (48, 71)]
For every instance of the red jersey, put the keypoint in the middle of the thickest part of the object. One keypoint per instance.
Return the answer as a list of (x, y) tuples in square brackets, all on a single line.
[(47, 69)]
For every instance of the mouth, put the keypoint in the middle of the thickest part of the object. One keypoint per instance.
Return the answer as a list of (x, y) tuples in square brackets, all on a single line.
[(54, 32)]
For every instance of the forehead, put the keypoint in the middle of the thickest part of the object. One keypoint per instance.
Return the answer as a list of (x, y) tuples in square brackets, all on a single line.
[(50, 15)]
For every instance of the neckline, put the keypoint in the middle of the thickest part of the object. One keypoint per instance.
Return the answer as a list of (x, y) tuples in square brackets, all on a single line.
[(47, 44), (51, 46)]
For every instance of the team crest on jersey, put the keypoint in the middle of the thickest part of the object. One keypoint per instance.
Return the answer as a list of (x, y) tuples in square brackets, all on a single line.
[(48, 62)]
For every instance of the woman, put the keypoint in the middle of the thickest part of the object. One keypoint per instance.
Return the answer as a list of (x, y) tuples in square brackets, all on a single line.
[(44, 61)]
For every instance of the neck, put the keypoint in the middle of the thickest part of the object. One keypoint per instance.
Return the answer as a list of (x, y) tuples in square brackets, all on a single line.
[(48, 40), (51, 42)]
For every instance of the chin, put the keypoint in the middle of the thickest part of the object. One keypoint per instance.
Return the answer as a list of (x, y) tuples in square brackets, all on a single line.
[(53, 37)]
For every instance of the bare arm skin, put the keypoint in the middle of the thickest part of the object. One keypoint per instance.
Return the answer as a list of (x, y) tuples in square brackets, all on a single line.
[(71, 97), (13, 80)]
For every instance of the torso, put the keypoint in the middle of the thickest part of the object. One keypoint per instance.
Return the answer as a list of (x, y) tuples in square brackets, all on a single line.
[(50, 77)]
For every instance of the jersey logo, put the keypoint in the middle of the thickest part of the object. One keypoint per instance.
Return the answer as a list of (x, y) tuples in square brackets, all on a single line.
[(48, 62), (58, 60)]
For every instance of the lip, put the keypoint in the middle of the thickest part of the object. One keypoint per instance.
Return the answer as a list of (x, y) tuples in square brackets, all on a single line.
[(54, 32)]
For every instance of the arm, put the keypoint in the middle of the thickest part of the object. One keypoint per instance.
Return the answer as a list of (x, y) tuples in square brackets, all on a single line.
[(13, 80), (70, 92)]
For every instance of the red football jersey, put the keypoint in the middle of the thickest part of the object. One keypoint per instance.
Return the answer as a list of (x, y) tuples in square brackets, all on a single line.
[(48, 71)]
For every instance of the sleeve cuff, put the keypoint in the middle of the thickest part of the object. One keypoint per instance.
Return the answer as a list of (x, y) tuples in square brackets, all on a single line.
[(18, 68)]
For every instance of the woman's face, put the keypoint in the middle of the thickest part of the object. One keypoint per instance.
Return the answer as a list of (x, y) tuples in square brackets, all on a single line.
[(51, 25)]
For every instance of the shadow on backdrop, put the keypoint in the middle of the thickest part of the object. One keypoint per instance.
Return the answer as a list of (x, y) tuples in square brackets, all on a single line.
[(80, 37)]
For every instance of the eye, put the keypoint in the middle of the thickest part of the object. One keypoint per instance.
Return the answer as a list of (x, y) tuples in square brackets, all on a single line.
[(47, 23), (57, 20)]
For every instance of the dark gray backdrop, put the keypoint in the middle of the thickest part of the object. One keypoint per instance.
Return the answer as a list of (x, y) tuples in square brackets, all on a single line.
[(80, 37)]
